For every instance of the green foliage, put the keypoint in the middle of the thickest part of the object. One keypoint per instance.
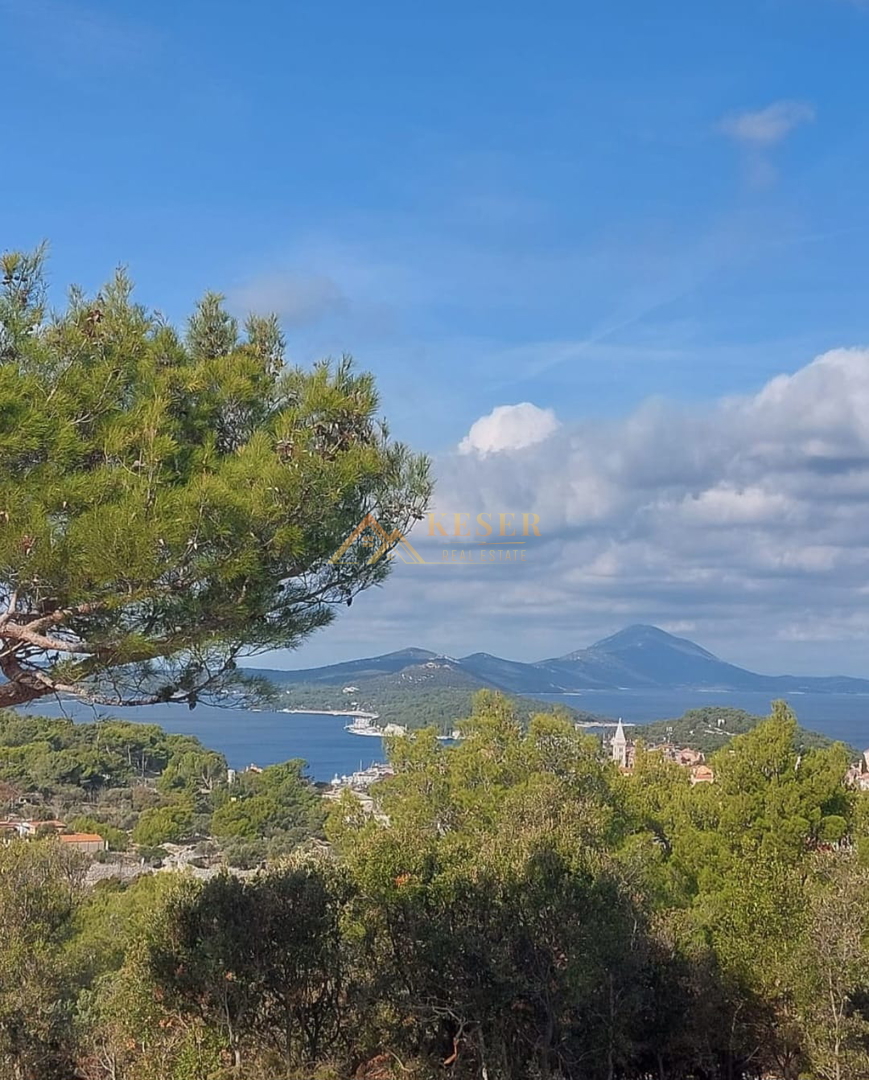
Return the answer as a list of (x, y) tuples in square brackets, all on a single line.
[(515, 908), (164, 825), (46, 755), (259, 959), (711, 727), (193, 771), (774, 799), (98, 777), (168, 502), (278, 801), (122, 1023), (40, 885), (832, 957), (110, 919), (418, 697), (133, 781)]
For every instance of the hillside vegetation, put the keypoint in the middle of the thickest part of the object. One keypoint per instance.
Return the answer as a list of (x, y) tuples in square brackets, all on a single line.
[(430, 694), (517, 908), (137, 785), (711, 727)]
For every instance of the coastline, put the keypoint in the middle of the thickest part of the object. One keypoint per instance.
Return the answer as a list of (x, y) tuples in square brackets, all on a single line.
[(335, 712)]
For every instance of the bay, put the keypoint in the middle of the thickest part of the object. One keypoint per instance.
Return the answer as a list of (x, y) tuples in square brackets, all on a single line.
[(248, 737), (266, 737)]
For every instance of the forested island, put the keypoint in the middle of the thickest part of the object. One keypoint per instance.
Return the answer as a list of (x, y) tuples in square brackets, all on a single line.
[(709, 727), (433, 699)]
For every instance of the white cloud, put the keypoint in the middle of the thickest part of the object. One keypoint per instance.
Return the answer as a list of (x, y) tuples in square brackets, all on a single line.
[(768, 126), (509, 427), (742, 518)]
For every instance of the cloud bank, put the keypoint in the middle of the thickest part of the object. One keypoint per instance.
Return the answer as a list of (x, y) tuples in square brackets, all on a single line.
[(744, 518)]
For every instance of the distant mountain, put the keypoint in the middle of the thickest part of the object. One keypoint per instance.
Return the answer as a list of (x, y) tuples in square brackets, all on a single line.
[(645, 656), (512, 675), (354, 669), (639, 657)]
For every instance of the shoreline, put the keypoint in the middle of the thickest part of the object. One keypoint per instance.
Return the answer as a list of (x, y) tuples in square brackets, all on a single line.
[(335, 712)]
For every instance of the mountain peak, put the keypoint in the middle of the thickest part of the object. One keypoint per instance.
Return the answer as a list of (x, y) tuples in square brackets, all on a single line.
[(411, 653), (643, 635)]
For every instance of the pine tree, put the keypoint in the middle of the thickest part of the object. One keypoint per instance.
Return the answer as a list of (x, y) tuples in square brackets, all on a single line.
[(170, 503)]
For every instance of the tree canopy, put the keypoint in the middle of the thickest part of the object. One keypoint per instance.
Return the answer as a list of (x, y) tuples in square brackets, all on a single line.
[(516, 907), (170, 502)]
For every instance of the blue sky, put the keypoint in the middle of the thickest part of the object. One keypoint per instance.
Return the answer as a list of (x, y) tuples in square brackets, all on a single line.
[(575, 206)]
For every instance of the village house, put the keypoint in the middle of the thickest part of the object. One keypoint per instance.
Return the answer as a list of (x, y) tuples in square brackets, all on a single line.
[(87, 843), (702, 774), (15, 828), (28, 828), (858, 775)]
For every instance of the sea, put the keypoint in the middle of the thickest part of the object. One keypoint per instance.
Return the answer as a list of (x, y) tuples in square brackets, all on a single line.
[(264, 738)]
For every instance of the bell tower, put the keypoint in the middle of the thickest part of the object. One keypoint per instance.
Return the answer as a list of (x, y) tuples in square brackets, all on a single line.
[(619, 746)]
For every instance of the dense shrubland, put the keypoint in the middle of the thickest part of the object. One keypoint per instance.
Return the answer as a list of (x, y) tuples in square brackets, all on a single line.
[(527, 911)]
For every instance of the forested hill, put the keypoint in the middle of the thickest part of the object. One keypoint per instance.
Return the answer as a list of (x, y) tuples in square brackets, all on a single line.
[(711, 727), (439, 692), (139, 787), (434, 693)]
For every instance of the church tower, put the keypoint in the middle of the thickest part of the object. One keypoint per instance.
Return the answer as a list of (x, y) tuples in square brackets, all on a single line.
[(619, 746)]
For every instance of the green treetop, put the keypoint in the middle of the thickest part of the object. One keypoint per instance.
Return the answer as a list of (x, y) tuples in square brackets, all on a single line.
[(170, 502)]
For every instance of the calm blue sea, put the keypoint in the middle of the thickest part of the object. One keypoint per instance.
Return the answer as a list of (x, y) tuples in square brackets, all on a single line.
[(264, 738), (259, 738), (840, 716)]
